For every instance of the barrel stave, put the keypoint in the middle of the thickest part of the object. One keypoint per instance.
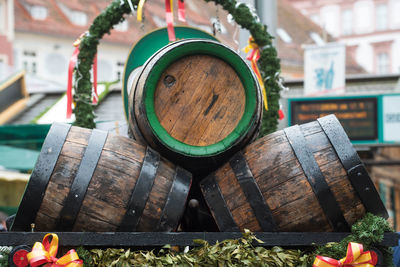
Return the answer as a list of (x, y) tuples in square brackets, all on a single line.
[(109, 191), (284, 185), (206, 101)]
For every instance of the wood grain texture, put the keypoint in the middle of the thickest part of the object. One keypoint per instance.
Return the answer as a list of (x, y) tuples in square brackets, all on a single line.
[(110, 187), (198, 100), (203, 104), (285, 186)]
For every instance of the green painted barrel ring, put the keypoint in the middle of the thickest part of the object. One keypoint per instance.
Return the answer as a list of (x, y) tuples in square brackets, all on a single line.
[(211, 48), (149, 44)]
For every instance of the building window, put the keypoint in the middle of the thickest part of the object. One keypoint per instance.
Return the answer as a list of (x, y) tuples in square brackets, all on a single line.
[(29, 53), (122, 26), (317, 38), (33, 70), (347, 22), (38, 12), (363, 16), (284, 35), (381, 17), (315, 19), (382, 63), (78, 18)]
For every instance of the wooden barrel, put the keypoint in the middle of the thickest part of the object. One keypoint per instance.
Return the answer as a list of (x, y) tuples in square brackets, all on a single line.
[(302, 178), (89, 180), (196, 102)]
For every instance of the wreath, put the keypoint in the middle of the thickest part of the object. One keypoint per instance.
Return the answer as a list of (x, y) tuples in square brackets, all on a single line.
[(268, 63)]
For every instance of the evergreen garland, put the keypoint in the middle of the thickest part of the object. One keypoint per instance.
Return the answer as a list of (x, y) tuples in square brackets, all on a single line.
[(367, 231), (4, 251), (245, 251), (113, 14), (241, 252)]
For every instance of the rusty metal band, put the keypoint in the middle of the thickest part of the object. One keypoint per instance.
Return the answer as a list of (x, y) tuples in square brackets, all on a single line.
[(351, 162), (175, 204), (76, 195), (141, 192), (216, 202), (316, 179), (40, 177), (252, 192)]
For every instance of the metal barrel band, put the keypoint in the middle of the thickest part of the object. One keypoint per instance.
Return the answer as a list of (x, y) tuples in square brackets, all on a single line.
[(316, 179), (351, 162), (81, 181), (141, 192), (216, 202), (40, 177), (174, 206), (252, 192)]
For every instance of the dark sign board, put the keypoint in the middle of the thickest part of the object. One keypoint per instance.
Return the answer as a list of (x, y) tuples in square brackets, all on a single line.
[(13, 97), (358, 116), (11, 93)]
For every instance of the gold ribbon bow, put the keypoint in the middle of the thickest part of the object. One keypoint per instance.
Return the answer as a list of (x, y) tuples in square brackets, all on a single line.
[(45, 253), (254, 56), (355, 256)]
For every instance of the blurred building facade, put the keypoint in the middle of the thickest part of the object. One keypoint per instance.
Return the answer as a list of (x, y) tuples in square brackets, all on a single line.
[(369, 28), (6, 31), (371, 32), (45, 32)]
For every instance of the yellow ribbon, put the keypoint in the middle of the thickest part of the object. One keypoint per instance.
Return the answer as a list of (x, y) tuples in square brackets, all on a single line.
[(140, 10), (254, 54), (355, 256), (45, 253)]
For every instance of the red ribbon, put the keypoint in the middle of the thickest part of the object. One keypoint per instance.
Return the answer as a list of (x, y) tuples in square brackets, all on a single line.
[(169, 17), (71, 66), (45, 253), (95, 95), (355, 256), (254, 56), (181, 10), (281, 114)]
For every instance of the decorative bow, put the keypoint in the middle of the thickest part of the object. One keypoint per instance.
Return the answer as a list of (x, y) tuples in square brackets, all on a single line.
[(254, 56), (45, 253), (355, 256)]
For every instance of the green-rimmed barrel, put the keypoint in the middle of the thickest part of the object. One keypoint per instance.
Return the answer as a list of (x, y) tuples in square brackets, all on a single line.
[(196, 102)]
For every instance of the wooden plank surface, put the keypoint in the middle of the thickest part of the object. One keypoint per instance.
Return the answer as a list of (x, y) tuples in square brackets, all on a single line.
[(202, 103), (134, 239)]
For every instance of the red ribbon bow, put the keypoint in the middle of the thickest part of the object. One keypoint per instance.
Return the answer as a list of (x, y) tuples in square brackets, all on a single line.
[(45, 253), (355, 256), (254, 55)]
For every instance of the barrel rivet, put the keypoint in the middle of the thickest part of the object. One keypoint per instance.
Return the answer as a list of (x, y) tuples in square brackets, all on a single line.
[(367, 189), (169, 81), (359, 174), (76, 196), (133, 211)]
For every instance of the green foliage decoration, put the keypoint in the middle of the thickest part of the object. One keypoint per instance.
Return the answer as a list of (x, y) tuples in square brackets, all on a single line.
[(4, 251), (367, 231), (240, 252), (244, 251), (113, 14)]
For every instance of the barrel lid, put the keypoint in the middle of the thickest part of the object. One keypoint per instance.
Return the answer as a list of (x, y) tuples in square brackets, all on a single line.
[(148, 45)]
